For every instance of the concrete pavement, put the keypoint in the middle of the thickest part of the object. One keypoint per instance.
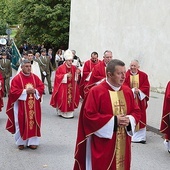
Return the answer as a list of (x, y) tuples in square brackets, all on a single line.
[(154, 111)]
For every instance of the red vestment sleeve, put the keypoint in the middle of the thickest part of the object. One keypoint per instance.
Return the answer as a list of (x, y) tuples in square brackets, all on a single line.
[(165, 121)]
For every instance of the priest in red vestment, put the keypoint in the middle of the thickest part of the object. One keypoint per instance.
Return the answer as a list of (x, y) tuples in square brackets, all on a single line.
[(87, 70), (24, 107), (1, 92), (107, 121), (165, 121), (99, 72), (65, 96), (139, 83)]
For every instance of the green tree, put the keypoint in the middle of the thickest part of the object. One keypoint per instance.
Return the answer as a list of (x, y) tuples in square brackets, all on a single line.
[(44, 21), (8, 14), (2, 18)]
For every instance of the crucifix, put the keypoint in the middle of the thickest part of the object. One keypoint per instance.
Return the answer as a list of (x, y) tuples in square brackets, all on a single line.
[(119, 106)]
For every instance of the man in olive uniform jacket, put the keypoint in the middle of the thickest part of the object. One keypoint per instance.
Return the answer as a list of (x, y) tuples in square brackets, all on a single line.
[(6, 70), (45, 66)]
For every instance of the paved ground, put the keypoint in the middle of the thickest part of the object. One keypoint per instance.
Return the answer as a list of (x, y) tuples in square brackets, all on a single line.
[(56, 150)]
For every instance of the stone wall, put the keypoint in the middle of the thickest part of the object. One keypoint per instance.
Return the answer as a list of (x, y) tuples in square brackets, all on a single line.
[(132, 29)]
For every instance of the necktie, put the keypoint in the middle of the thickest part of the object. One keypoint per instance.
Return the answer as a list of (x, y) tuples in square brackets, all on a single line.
[(44, 58)]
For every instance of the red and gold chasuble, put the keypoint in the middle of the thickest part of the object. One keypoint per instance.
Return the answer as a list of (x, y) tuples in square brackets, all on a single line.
[(141, 82), (29, 122), (29, 111), (119, 107), (97, 109), (65, 95)]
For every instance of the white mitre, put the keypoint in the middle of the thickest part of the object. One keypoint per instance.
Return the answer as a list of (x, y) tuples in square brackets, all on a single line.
[(68, 55)]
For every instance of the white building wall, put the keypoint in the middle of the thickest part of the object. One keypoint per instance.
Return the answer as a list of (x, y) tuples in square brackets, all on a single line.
[(131, 29)]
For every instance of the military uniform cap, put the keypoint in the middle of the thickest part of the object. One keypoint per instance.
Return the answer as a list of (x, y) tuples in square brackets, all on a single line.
[(43, 50)]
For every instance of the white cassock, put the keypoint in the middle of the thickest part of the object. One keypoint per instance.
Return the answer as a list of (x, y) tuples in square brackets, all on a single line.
[(139, 135)]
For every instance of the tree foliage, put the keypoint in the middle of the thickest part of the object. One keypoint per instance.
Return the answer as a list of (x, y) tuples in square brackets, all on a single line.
[(44, 22), (40, 21), (8, 14)]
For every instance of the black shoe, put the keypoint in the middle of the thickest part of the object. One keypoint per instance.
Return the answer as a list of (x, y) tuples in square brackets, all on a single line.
[(50, 92), (142, 141), (44, 93)]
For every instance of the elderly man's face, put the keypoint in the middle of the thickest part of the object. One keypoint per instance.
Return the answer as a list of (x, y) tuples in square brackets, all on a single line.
[(134, 66), (107, 57), (69, 63)]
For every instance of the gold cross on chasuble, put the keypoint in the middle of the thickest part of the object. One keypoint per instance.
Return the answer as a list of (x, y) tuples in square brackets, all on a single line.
[(119, 107)]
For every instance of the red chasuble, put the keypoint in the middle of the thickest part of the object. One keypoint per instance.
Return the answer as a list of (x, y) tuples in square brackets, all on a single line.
[(65, 95), (165, 121), (88, 67), (98, 73), (96, 111), (144, 86), (29, 111), (1, 92)]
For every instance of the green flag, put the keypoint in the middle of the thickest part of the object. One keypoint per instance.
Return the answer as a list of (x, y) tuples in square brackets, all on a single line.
[(15, 55)]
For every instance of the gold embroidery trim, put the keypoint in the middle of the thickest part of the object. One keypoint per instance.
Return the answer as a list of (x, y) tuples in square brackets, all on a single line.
[(134, 81), (119, 107)]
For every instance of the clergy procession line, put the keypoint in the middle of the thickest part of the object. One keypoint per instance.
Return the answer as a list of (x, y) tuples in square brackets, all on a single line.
[(113, 112)]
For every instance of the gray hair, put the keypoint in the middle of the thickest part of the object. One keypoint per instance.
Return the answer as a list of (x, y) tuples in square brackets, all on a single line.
[(107, 52), (37, 53), (25, 61), (134, 60)]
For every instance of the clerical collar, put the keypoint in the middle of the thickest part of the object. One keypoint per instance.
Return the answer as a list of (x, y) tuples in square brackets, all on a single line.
[(68, 66), (105, 64), (134, 73), (25, 74), (113, 87)]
